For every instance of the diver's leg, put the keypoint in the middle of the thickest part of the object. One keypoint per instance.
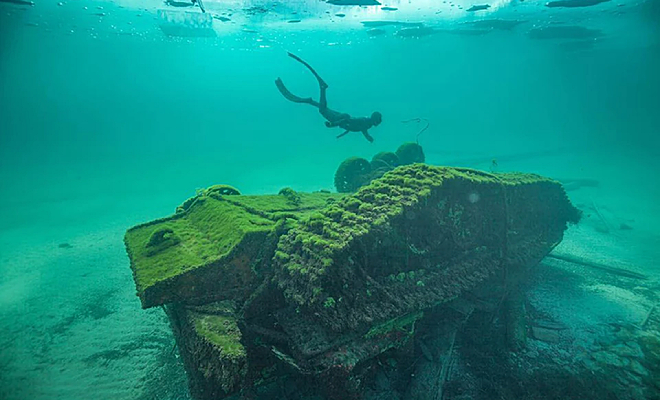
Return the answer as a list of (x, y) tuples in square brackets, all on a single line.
[(323, 100), (327, 113)]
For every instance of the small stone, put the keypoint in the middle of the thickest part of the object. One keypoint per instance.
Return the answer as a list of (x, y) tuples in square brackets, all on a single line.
[(650, 342), (611, 359), (532, 354), (630, 349), (625, 227), (546, 335), (590, 364), (637, 368), (605, 341)]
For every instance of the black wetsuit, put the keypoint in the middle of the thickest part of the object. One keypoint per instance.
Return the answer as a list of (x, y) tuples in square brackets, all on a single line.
[(334, 118)]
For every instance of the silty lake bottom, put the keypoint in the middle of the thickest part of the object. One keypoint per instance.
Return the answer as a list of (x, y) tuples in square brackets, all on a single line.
[(112, 114)]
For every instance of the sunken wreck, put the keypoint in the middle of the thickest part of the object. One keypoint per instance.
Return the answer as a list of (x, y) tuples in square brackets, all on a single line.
[(314, 295)]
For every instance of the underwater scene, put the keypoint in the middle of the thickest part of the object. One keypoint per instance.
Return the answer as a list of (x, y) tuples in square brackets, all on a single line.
[(329, 199)]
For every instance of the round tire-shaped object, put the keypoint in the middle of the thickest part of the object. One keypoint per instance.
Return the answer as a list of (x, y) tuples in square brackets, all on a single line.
[(410, 153), (352, 174), (224, 190), (385, 159)]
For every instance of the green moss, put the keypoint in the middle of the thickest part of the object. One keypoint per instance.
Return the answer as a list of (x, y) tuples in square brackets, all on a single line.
[(208, 231), (329, 302), (291, 195), (352, 174), (294, 267), (334, 213), (396, 324), (160, 240), (270, 205), (385, 159), (328, 232), (222, 332), (410, 153), (365, 207), (223, 190), (186, 205)]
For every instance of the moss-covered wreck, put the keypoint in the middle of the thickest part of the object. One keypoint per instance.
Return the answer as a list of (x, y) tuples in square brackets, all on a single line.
[(264, 287)]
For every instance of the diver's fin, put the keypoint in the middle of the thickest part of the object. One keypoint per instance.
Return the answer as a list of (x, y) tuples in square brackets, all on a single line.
[(292, 97), (303, 62)]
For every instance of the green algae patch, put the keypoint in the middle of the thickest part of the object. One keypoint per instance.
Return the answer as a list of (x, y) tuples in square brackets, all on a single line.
[(403, 323), (210, 343), (212, 250), (287, 204), (438, 231), (220, 331)]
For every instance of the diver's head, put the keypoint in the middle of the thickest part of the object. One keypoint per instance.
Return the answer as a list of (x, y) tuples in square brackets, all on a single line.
[(376, 118)]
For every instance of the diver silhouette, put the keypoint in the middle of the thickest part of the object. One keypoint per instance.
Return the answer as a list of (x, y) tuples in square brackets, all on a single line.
[(334, 118)]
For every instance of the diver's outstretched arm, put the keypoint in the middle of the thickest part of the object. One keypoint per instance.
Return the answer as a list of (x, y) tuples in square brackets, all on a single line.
[(292, 97), (368, 136), (303, 62), (342, 134)]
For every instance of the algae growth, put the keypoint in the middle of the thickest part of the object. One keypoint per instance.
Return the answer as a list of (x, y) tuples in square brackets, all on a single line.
[(222, 332), (205, 236)]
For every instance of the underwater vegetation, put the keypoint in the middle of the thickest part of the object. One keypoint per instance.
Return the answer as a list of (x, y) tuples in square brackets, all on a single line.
[(352, 174), (356, 172), (410, 153)]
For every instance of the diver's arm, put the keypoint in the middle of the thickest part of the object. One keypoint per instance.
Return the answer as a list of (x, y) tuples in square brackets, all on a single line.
[(343, 134), (367, 136)]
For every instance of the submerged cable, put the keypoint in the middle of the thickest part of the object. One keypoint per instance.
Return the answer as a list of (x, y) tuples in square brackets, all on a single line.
[(422, 130)]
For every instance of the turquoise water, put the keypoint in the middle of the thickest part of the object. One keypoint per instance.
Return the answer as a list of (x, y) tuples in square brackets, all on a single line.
[(107, 122)]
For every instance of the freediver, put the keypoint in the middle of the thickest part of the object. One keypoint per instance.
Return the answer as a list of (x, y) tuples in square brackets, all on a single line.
[(334, 118)]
